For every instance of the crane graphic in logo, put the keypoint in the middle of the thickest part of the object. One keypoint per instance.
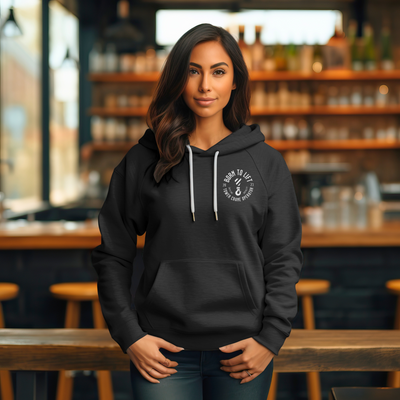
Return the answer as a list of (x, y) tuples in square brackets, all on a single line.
[(238, 185)]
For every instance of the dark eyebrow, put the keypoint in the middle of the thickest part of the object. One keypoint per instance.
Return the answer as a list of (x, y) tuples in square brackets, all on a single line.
[(212, 66)]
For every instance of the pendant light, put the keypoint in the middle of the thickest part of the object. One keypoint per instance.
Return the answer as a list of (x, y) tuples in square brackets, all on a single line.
[(10, 27)]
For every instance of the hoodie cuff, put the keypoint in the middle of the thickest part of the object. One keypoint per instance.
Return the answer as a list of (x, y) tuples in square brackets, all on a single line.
[(271, 337), (130, 333)]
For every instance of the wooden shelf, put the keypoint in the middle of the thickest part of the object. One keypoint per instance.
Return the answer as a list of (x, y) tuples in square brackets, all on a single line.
[(281, 145), (124, 77), (349, 144), (118, 111), (339, 75), (264, 111), (326, 110)]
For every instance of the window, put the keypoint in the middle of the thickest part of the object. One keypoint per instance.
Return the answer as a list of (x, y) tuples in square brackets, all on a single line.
[(279, 26), (20, 134)]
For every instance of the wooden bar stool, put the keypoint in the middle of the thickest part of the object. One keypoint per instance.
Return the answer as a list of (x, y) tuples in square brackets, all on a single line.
[(74, 293), (306, 288), (8, 291), (393, 286)]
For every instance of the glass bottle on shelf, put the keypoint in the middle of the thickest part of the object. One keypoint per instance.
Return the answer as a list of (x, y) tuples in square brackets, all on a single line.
[(269, 60), (258, 96), (304, 131), (96, 58), (306, 57), (387, 62), (360, 206), (283, 94), (346, 207), (272, 95), (111, 58), (280, 57), (244, 48), (257, 51), (369, 99), (292, 57), (356, 98), (317, 65), (369, 48), (355, 48)]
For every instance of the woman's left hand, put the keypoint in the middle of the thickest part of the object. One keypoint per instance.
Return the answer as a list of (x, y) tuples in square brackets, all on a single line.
[(255, 358)]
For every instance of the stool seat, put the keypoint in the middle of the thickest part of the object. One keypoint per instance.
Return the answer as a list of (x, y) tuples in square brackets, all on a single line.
[(310, 287), (75, 291), (393, 286), (8, 291)]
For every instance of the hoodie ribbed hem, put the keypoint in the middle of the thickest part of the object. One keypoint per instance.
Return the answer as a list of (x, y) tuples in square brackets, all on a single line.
[(198, 342), (271, 338)]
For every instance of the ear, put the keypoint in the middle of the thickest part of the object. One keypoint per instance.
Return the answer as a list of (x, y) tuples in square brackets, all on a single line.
[(234, 86)]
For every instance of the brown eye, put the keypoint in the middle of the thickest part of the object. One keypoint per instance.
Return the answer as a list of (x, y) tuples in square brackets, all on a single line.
[(220, 70)]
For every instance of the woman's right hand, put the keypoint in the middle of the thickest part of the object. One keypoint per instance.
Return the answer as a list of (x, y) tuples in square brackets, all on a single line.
[(148, 359)]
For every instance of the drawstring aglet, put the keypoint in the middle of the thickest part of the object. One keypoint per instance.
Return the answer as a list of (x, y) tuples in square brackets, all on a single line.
[(193, 216), (216, 215)]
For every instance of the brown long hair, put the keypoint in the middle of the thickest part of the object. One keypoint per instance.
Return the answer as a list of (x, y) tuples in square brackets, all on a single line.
[(168, 115)]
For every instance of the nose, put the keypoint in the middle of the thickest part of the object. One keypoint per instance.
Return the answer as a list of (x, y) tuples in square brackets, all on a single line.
[(204, 83)]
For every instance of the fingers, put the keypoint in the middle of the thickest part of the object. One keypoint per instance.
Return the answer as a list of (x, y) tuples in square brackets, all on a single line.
[(147, 376), (236, 368), (161, 368)]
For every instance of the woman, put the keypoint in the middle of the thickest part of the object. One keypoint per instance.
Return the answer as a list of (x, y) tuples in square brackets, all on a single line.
[(222, 254)]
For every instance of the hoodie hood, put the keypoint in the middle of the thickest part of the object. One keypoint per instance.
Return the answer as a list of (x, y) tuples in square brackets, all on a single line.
[(244, 137)]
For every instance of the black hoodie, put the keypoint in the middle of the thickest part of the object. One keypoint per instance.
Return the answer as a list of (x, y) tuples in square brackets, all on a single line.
[(222, 251)]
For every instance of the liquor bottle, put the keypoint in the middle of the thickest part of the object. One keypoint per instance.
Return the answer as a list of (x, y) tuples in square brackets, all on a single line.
[(369, 48), (245, 49), (292, 57), (337, 51), (317, 65), (280, 57), (257, 51), (386, 49), (355, 53)]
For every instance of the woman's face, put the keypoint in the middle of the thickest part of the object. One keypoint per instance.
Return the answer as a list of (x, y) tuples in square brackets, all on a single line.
[(210, 76)]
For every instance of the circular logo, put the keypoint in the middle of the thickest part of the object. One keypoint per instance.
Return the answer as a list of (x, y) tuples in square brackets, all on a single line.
[(238, 185)]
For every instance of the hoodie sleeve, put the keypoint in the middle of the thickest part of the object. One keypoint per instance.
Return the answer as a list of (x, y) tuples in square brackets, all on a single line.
[(279, 239), (121, 219)]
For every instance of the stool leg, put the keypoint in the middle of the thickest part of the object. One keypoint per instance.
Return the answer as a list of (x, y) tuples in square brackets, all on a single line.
[(313, 378), (98, 319), (6, 388), (394, 376), (104, 378), (65, 378), (273, 387)]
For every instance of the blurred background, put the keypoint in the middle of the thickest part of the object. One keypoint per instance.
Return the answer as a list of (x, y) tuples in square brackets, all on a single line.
[(76, 81)]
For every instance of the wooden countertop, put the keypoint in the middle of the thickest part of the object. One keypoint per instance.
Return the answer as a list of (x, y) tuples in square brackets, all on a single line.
[(304, 350), (23, 235)]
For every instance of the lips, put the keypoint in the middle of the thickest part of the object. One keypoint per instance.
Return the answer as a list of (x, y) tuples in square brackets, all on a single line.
[(204, 102)]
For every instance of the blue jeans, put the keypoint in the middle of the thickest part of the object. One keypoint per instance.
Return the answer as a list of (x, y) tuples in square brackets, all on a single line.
[(199, 377)]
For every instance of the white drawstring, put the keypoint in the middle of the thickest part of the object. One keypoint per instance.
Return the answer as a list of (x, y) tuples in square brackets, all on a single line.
[(215, 201), (191, 180), (215, 185)]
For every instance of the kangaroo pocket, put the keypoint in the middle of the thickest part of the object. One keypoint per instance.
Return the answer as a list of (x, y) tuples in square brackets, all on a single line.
[(198, 296)]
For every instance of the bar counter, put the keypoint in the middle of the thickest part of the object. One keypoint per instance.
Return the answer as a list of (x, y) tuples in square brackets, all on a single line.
[(25, 235)]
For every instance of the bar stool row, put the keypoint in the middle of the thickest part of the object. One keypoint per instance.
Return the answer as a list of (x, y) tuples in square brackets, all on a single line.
[(75, 292)]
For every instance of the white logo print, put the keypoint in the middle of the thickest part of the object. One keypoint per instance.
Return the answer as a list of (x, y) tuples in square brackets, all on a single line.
[(238, 185)]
